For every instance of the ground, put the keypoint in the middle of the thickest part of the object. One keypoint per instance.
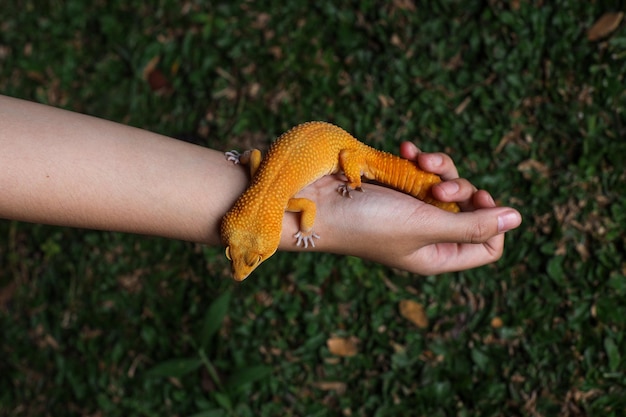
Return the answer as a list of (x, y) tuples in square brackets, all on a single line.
[(527, 97)]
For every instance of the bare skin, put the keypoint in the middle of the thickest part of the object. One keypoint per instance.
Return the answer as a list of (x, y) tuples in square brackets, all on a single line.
[(68, 169)]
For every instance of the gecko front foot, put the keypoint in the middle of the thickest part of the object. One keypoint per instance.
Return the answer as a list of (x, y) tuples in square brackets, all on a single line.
[(306, 238), (233, 156)]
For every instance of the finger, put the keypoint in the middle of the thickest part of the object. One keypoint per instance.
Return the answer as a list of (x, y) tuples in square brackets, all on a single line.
[(478, 200), (452, 257), (482, 199), (474, 227), (464, 193), (438, 163), (458, 190), (408, 150)]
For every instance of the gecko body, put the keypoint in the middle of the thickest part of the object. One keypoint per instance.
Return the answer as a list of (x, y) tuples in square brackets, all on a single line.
[(251, 230)]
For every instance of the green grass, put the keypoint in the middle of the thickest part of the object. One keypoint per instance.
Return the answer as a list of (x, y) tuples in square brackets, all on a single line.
[(95, 323)]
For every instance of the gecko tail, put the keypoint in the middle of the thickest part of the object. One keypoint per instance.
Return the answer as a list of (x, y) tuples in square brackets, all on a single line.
[(404, 175)]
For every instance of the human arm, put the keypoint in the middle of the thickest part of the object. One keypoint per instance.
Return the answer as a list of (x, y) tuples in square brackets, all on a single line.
[(63, 168)]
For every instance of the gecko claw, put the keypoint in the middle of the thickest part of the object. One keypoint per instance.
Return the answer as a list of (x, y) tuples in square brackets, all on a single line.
[(306, 239), (233, 156), (344, 190)]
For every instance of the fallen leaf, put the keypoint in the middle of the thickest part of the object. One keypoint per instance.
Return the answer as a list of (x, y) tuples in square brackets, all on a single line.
[(154, 76), (6, 295), (604, 26), (175, 381), (338, 387), (462, 106), (582, 250), (132, 282), (414, 312), (342, 346), (496, 322), (51, 342), (396, 41), (408, 5), (385, 101), (158, 81), (528, 166), (150, 66), (88, 333), (454, 63), (397, 347)]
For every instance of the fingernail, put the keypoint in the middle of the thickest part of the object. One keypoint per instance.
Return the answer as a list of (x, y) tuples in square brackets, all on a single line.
[(436, 160), (508, 220), (449, 188)]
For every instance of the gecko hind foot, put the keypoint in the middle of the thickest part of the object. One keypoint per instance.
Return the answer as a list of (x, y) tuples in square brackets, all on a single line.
[(344, 190), (306, 239)]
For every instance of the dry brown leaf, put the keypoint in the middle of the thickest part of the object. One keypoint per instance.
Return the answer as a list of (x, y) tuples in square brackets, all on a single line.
[(88, 334), (407, 5), (454, 63), (496, 322), (150, 66), (132, 282), (604, 26), (157, 80), (342, 346), (175, 381), (529, 165), (338, 387), (512, 136), (6, 294), (51, 341), (385, 101), (276, 52), (262, 21), (414, 312), (397, 347), (583, 252), (462, 106), (396, 41), (263, 298)]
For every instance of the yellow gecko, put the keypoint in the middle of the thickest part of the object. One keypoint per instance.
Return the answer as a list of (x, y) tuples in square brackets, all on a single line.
[(251, 230)]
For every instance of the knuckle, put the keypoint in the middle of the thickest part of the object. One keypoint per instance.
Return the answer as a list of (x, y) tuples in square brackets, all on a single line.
[(478, 233)]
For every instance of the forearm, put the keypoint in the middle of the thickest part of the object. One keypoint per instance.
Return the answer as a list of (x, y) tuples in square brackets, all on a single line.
[(64, 168)]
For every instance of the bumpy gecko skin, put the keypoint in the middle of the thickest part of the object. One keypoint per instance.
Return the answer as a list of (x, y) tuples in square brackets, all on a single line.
[(251, 230)]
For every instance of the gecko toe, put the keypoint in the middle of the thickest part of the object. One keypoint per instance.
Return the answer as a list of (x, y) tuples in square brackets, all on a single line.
[(233, 156), (306, 239), (344, 190)]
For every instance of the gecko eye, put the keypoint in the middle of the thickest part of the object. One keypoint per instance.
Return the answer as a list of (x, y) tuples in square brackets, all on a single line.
[(228, 253)]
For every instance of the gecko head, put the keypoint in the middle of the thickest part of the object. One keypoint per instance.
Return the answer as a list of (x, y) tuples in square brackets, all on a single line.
[(246, 254)]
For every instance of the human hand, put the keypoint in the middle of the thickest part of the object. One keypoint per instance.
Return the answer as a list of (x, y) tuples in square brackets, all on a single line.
[(398, 230)]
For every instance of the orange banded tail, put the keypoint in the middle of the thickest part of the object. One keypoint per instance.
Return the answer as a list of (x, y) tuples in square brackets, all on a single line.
[(403, 175)]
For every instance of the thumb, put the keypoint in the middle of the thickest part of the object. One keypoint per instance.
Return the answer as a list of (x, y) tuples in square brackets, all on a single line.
[(477, 226)]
